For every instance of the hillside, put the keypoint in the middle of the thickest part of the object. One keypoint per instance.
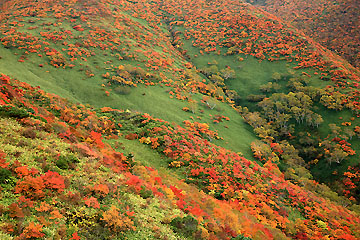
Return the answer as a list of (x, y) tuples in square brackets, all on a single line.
[(173, 120), (334, 24)]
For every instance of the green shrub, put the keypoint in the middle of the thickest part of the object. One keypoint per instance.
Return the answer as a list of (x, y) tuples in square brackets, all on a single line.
[(11, 111), (5, 175), (241, 237), (255, 98), (62, 164), (66, 161), (145, 193), (185, 226)]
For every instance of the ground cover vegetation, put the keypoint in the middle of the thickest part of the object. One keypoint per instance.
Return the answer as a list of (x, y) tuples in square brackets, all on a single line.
[(331, 23), (173, 120)]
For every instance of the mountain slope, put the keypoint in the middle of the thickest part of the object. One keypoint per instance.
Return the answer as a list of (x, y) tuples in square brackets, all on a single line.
[(332, 23), (234, 32), (87, 75), (153, 141), (46, 185)]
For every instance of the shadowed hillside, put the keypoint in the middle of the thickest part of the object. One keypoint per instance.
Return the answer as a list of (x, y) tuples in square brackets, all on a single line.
[(333, 23)]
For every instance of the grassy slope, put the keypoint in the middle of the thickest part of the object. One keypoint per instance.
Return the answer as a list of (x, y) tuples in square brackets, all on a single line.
[(74, 85), (153, 213)]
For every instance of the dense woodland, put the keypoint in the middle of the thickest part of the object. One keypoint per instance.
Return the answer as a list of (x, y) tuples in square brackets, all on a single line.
[(179, 120)]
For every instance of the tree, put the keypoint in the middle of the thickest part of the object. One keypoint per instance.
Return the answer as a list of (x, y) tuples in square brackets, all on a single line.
[(263, 152), (227, 73), (219, 81), (233, 95), (317, 120), (209, 101), (335, 130), (276, 76), (208, 71), (333, 100), (269, 87), (254, 119), (337, 155), (255, 97), (348, 133), (193, 105)]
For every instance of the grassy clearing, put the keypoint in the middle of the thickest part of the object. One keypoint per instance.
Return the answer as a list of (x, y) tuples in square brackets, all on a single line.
[(250, 73)]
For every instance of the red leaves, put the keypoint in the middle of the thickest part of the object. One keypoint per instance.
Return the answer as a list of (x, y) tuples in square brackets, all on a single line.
[(44, 207), (75, 236), (177, 192), (34, 187), (3, 163), (301, 236), (55, 214), (22, 171), (54, 180), (52, 52), (31, 186), (131, 136), (228, 176), (15, 211), (78, 28), (351, 182), (33, 231), (180, 203), (214, 168), (4, 79), (134, 181), (196, 211), (101, 189), (92, 202), (337, 14), (97, 138), (154, 143)]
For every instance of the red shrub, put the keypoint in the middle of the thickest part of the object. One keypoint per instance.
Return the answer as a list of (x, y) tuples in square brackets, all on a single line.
[(54, 180)]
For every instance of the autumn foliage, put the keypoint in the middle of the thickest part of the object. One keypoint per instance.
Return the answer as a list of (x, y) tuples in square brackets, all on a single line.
[(82, 181), (333, 24)]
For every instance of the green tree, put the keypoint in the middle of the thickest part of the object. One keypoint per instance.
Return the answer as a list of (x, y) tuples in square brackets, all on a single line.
[(227, 73)]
